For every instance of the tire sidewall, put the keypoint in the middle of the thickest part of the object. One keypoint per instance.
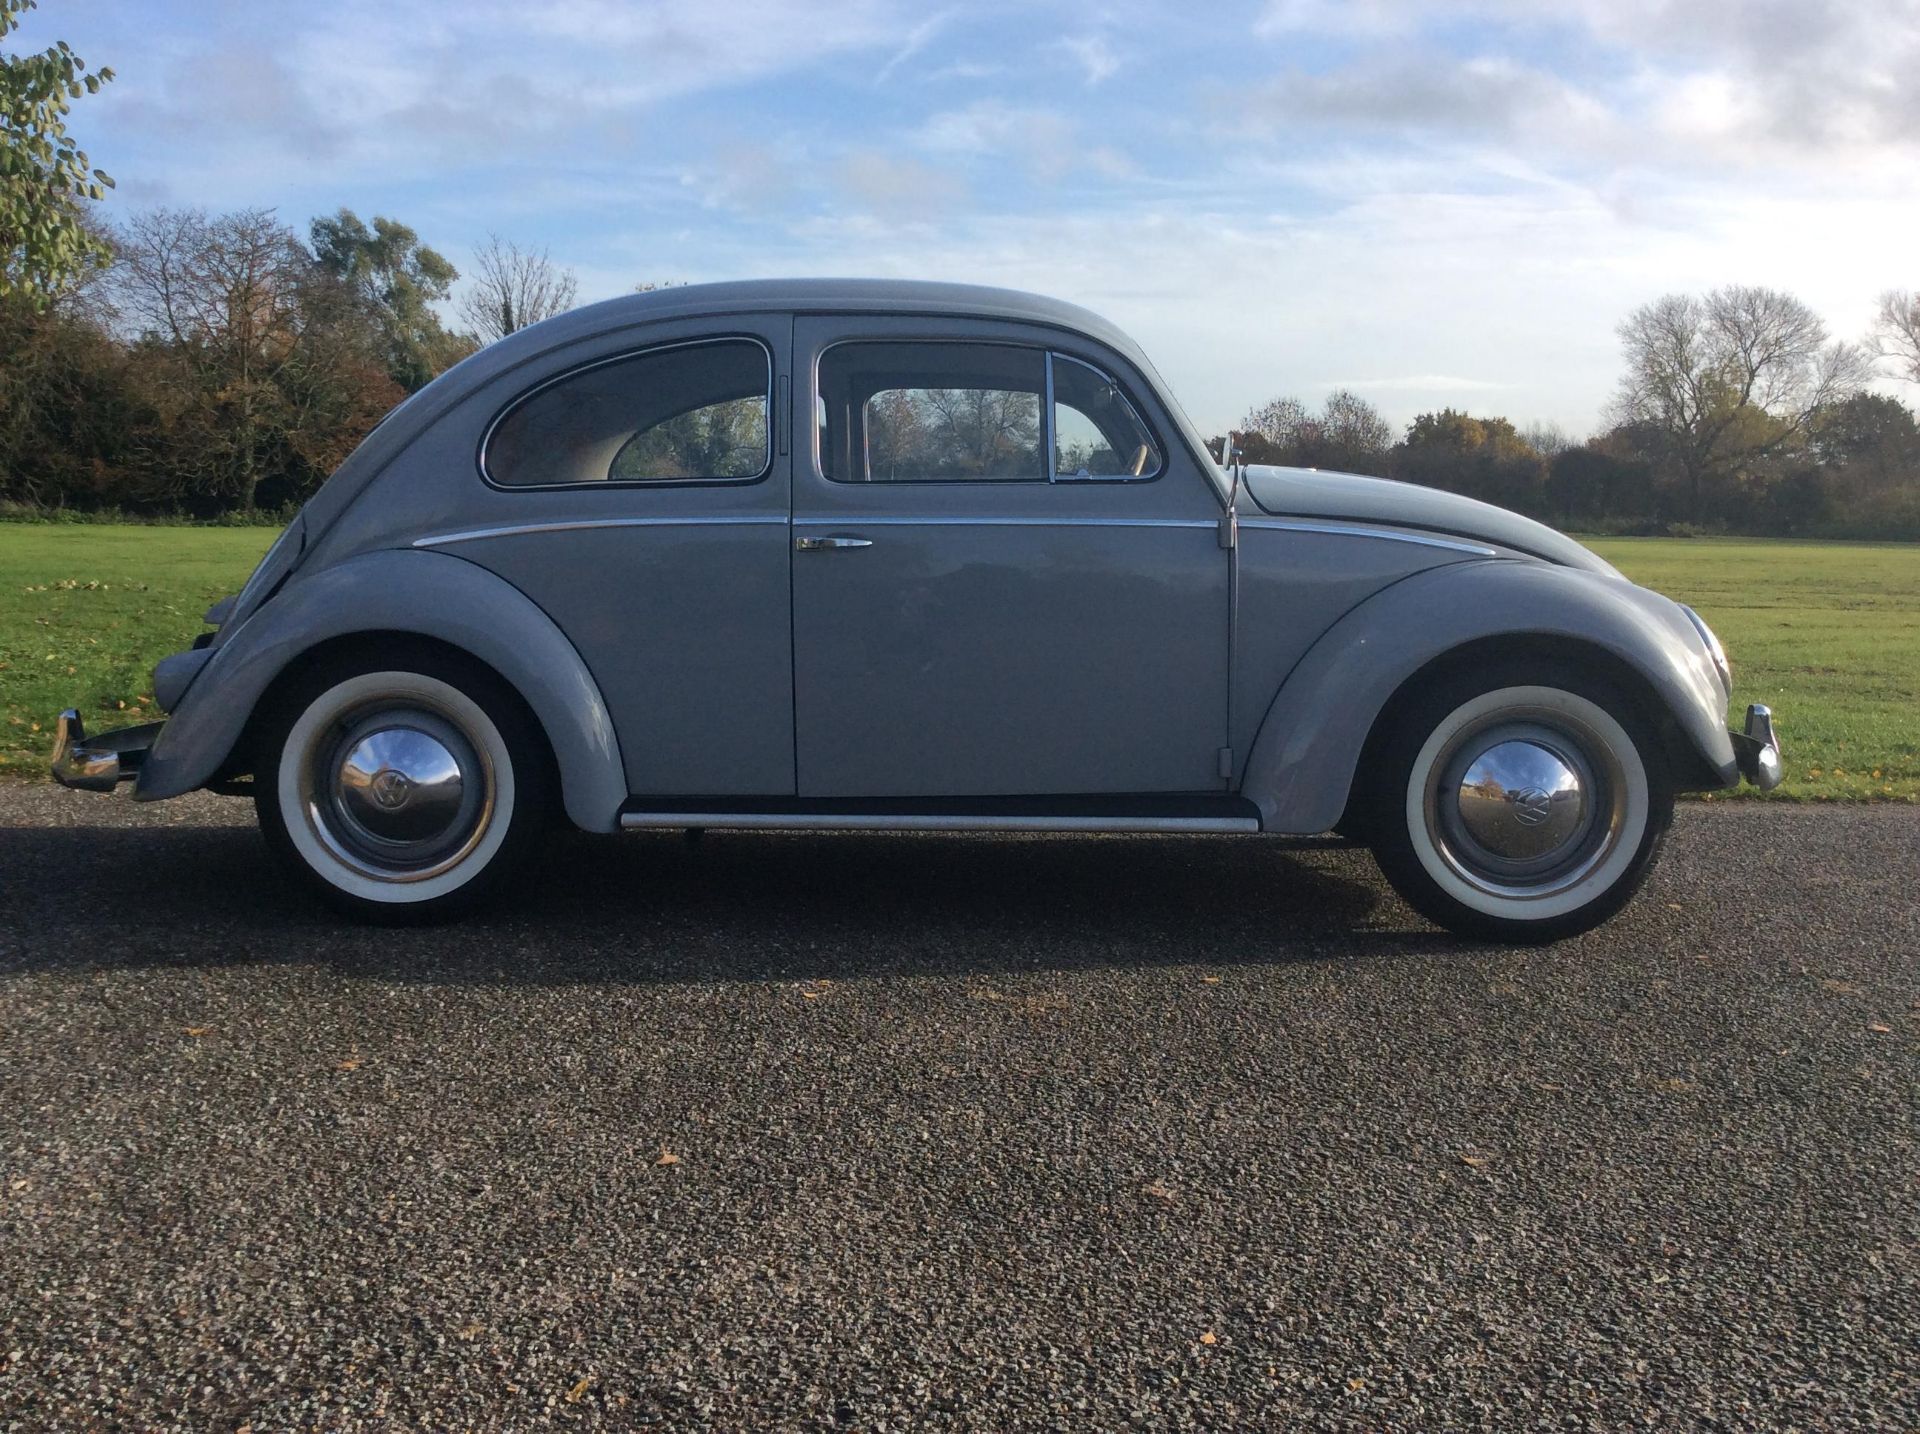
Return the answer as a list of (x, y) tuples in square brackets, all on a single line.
[(1406, 849), (486, 714)]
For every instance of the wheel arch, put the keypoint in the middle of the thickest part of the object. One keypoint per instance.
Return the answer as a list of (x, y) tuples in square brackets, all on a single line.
[(1330, 710), (408, 596), (1683, 758)]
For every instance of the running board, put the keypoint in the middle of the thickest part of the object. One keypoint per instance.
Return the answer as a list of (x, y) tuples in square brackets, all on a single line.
[(927, 822), (1087, 812)]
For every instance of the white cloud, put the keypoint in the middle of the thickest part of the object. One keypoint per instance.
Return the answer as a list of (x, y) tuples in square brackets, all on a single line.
[(898, 188), (1094, 55)]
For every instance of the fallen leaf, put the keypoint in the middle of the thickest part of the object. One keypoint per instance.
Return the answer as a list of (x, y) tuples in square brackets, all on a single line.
[(1209, 1338), (666, 1157), (1478, 1162), (1356, 1384), (351, 1063), (1160, 1191), (19, 1182), (1677, 1083), (579, 1391), (810, 995), (473, 1330), (197, 1031), (1211, 980)]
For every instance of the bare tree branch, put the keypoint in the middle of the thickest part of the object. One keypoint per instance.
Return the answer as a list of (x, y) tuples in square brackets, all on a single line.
[(514, 287), (1731, 377), (1896, 333)]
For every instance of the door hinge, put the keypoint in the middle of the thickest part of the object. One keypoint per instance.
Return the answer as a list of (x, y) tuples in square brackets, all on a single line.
[(1226, 764)]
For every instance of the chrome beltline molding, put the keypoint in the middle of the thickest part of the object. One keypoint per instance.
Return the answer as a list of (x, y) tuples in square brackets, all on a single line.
[(826, 821), (1343, 530), (514, 530), (863, 520)]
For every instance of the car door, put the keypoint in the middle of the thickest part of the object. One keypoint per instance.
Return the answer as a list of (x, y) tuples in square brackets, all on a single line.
[(638, 493), (995, 591)]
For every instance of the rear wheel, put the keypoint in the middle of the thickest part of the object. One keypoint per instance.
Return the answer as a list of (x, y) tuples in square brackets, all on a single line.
[(1524, 803), (402, 787)]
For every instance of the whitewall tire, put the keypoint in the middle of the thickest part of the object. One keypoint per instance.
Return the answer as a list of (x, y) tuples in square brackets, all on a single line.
[(400, 789), (1521, 806)]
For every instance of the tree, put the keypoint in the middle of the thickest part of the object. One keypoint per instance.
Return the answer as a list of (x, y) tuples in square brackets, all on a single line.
[(1729, 379), (44, 176), (1276, 422), (514, 287), (1347, 433), (400, 280), (1896, 333), (1482, 457), (261, 367), (218, 299)]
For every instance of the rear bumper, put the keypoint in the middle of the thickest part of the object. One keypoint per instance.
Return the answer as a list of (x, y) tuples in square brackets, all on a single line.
[(1757, 750), (98, 764)]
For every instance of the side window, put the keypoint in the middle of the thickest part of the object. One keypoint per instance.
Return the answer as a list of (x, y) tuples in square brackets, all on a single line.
[(1096, 433), (932, 412), (685, 412)]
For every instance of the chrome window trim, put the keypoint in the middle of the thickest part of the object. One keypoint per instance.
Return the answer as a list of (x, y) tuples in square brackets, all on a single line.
[(1047, 354), (510, 530), (1342, 530), (596, 484), (1053, 442)]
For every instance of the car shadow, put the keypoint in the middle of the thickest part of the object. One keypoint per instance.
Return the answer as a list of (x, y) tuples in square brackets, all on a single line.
[(729, 906)]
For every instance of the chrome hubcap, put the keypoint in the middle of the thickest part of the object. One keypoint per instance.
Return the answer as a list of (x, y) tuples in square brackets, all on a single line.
[(1521, 801), (397, 793), (1525, 804), (400, 785)]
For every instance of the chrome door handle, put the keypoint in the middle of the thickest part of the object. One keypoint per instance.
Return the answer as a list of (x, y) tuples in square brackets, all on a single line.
[(821, 545)]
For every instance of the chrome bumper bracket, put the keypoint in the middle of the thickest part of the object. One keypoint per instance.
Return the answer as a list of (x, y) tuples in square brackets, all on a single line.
[(1757, 750), (98, 764)]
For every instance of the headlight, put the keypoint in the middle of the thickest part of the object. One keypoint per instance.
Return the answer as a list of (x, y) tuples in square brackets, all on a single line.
[(1714, 649)]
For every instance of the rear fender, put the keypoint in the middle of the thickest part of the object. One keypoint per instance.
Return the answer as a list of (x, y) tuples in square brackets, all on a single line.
[(433, 595)]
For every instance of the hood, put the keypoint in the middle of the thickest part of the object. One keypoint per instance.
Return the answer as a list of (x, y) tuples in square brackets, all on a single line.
[(1311, 493)]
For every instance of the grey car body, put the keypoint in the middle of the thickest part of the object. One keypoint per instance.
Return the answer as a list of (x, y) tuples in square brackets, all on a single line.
[(1193, 648)]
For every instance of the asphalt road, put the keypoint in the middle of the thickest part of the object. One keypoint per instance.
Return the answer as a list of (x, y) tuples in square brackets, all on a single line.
[(823, 1132)]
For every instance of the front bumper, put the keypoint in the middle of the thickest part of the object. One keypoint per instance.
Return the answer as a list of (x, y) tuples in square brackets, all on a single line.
[(1757, 750), (98, 764)]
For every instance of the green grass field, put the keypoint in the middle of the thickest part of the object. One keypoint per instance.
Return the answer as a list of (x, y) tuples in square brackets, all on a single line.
[(1828, 635)]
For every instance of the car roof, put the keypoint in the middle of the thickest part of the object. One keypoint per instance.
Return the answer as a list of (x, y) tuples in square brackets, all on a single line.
[(816, 296)]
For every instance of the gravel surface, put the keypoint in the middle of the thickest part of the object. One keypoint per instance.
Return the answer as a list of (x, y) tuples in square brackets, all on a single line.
[(878, 1133)]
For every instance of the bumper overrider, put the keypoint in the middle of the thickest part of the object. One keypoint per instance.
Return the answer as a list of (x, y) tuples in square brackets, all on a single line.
[(98, 764), (1757, 750)]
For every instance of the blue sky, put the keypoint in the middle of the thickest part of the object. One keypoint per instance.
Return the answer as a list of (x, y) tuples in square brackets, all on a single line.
[(1431, 201)]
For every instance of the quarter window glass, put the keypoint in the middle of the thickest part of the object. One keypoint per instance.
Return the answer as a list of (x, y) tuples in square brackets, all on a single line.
[(931, 413), (692, 412), (1096, 433)]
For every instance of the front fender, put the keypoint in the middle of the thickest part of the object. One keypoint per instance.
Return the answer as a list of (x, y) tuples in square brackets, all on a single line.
[(1301, 768), (435, 595)]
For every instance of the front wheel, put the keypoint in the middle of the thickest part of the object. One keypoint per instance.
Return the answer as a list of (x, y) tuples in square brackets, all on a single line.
[(1520, 805), (401, 788)]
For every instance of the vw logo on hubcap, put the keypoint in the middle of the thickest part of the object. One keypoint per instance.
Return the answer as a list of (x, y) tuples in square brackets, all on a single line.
[(391, 789), (1531, 806)]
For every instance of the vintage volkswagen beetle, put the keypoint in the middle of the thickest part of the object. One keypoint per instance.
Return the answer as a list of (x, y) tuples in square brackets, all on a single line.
[(896, 555)]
